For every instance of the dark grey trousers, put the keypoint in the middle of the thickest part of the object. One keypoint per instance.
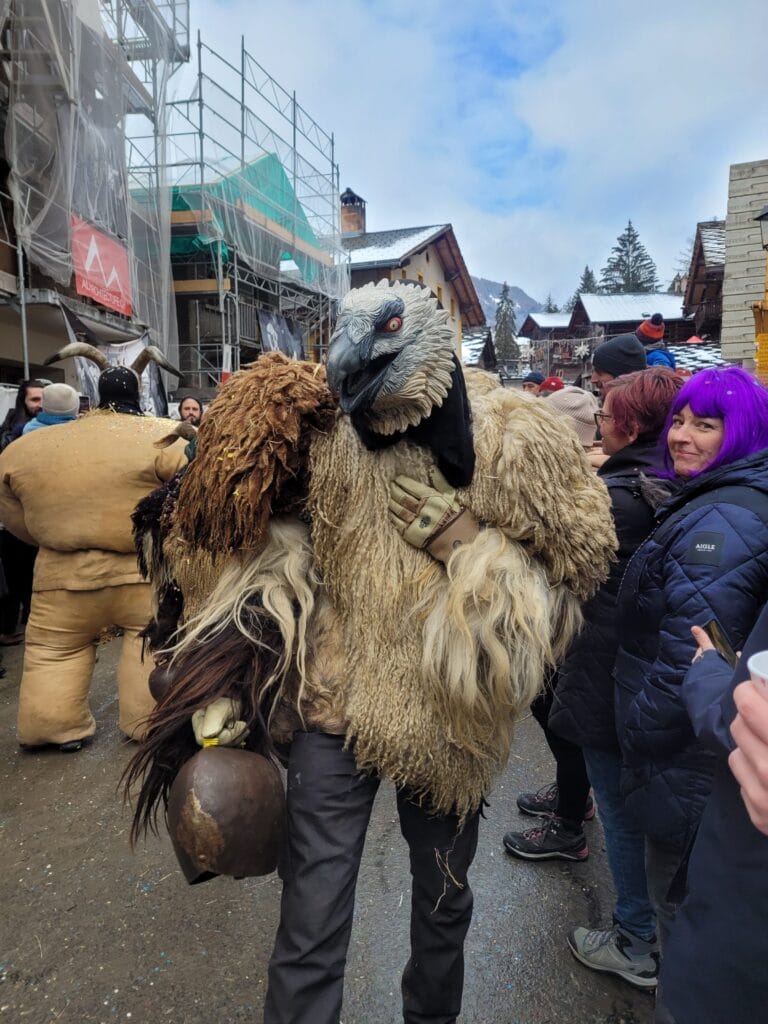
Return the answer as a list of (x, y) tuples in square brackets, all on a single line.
[(329, 807)]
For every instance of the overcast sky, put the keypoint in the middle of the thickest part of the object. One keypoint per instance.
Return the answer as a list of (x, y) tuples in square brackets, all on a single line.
[(536, 128)]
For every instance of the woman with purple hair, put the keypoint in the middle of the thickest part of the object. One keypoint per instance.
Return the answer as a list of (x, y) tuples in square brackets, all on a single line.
[(707, 559)]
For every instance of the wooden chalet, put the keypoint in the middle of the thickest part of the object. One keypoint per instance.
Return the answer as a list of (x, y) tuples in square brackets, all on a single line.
[(428, 255), (546, 326), (601, 316), (703, 299), (478, 350), (563, 345)]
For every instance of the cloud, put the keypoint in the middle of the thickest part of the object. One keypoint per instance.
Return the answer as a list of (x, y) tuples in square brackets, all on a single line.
[(537, 129)]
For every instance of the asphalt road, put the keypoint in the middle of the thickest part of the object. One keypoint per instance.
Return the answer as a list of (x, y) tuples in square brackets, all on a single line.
[(92, 932)]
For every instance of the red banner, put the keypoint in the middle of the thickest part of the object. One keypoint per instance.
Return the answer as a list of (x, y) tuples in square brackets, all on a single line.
[(101, 267)]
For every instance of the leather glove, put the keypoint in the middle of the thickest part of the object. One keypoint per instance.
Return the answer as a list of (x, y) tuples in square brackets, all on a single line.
[(430, 516), (220, 724)]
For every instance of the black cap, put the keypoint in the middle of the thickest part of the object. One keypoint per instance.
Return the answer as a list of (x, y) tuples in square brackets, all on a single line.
[(620, 355), (534, 377)]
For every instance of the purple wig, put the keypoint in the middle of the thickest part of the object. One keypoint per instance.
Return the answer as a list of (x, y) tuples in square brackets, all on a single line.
[(732, 395)]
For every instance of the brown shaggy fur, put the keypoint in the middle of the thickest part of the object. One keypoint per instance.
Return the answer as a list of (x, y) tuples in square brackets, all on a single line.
[(252, 453)]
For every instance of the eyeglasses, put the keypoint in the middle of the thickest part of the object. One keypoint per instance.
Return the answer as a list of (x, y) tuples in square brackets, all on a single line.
[(600, 416)]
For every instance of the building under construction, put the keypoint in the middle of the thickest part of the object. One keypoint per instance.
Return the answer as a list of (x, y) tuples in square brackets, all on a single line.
[(209, 225), (256, 249)]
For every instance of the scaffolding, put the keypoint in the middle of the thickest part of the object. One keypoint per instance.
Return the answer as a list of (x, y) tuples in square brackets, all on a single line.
[(83, 78), (255, 218)]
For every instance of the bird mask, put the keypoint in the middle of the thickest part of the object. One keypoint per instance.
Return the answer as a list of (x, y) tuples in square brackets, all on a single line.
[(391, 362)]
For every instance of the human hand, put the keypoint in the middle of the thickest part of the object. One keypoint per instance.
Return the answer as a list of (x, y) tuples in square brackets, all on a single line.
[(430, 516), (219, 724), (749, 761), (702, 639)]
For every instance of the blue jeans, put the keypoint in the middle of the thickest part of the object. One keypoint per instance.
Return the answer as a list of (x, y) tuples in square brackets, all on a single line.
[(624, 842)]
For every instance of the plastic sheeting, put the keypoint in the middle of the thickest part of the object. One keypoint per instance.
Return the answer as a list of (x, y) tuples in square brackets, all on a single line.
[(233, 165), (152, 399), (71, 94)]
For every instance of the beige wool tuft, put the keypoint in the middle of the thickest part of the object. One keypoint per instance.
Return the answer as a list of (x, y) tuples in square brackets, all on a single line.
[(533, 480)]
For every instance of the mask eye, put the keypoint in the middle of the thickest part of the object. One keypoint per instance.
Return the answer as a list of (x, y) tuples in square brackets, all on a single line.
[(392, 325)]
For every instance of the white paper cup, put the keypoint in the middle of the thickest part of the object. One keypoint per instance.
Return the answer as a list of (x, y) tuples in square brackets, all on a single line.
[(758, 672)]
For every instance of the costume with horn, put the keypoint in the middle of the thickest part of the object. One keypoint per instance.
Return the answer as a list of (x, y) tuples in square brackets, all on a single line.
[(71, 490), (285, 595)]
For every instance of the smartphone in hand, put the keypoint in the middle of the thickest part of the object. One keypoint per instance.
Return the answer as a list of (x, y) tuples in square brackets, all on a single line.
[(720, 641)]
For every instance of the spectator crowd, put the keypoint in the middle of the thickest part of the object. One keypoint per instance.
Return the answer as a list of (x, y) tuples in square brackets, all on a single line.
[(651, 717)]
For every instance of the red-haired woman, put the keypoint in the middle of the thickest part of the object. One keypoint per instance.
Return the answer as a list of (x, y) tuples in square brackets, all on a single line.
[(634, 412)]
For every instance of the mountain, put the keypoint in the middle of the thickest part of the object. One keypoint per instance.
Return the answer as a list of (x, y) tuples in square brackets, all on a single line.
[(488, 292)]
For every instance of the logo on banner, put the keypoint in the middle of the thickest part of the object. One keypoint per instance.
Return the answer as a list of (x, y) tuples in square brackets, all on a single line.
[(101, 267)]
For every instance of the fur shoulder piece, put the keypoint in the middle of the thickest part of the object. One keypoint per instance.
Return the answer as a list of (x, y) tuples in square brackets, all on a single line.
[(252, 453), (479, 382), (533, 480)]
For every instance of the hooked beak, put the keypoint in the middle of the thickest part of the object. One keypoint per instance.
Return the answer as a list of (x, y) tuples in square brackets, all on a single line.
[(352, 375)]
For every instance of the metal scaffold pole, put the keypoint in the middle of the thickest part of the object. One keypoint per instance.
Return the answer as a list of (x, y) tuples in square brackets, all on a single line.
[(242, 100), (22, 292)]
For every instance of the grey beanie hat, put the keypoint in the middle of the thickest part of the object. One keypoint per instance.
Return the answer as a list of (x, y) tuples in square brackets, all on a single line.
[(580, 407), (620, 355), (61, 400)]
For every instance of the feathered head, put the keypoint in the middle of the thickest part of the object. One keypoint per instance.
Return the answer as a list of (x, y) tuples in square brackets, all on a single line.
[(391, 355), (392, 365)]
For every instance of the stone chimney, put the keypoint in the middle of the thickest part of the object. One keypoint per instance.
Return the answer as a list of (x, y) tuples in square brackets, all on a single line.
[(352, 213)]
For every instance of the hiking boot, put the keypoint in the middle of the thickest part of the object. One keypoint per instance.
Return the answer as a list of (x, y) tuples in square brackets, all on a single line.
[(616, 951), (71, 746), (544, 802), (552, 840)]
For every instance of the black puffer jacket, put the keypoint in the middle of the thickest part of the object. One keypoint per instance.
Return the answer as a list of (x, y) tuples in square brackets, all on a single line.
[(583, 707), (707, 559), (714, 966)]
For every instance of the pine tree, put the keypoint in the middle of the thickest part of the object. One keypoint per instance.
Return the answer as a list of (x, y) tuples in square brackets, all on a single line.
[(550, 306), (507, 349), (588, 284), (629, 267)]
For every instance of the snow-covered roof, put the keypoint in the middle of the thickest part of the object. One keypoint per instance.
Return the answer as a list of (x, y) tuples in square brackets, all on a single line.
[(552, 320), (713, 242), (603, 309), (388, 247), (471, 350), (697, 356)]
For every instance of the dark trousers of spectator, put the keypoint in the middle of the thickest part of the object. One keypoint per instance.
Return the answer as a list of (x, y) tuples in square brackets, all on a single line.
[(18, 561), (329, 808), (572, 780)]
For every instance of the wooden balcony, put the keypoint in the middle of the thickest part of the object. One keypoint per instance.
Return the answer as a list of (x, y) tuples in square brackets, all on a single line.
[(707, 313)]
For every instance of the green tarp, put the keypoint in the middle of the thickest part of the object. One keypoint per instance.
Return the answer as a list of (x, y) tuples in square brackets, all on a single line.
[(262, 185)]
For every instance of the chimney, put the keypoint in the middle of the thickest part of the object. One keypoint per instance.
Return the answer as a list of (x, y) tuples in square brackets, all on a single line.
[(352, 213)]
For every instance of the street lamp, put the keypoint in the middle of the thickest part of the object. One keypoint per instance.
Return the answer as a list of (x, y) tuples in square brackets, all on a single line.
[(760, 309)]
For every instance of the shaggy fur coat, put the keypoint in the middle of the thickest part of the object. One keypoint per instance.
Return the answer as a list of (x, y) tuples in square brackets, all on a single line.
[(425, 668)]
